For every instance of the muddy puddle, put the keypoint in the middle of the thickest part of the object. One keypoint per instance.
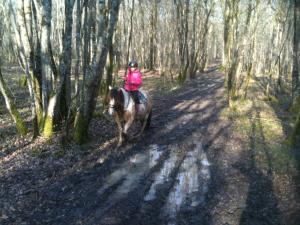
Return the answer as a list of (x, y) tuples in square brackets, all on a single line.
[(131, 171), (191, 184), (162, 176)]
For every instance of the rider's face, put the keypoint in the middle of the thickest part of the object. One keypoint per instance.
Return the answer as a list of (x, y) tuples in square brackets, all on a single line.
[(133, 68)]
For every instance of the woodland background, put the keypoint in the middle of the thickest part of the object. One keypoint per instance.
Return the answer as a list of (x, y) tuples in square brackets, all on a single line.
[(70, 51), (224, 76)]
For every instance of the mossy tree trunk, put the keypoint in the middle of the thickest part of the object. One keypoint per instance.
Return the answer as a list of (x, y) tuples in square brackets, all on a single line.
[(22, 23), (296, 53), (11, 107), (231, 51), (235, 40), (203, 42), (109, 72), (130, 33), (84, 116), (182, 15), (295, 137), (296, 66), (77, 49), (153, 31), (64, 100), (194, 52)]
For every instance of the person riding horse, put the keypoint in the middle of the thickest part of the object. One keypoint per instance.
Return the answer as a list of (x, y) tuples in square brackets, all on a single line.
[(130, 104), (133, 81)]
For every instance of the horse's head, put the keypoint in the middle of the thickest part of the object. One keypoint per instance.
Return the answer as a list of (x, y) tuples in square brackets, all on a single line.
[(115, 100)]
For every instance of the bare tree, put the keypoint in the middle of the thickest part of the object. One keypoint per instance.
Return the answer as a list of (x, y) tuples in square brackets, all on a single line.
[(10, 105), (296, 64), (93, 84)]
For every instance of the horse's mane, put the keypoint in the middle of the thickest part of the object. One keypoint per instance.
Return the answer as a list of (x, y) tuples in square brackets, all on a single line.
[(117, 94)]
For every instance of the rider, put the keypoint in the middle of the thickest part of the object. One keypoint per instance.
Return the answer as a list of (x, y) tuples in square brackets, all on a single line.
[(133, 81)]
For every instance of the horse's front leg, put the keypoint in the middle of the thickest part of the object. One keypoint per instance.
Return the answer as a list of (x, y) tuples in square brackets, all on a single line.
[(128, 124), (120, 129)]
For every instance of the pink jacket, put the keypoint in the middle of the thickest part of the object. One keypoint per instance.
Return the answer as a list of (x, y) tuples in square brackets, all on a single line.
[(133, 80)]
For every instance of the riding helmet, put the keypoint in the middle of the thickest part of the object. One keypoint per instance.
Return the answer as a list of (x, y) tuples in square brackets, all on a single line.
[(132, 64)]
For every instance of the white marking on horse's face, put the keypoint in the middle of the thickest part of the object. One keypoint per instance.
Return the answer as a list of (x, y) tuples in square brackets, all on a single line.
[(111, 105)]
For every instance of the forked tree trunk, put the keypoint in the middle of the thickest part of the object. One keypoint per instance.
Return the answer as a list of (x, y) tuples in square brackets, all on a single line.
[(93, 84)]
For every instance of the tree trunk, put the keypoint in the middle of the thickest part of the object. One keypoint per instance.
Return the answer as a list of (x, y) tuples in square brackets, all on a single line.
[(83, 120), (47, 79), (296, 52), (77, 49), (153, 25), (182, 14), (203, 43), (11, 107), (130, 33), (109, 71), (296, 66), (65, 62)]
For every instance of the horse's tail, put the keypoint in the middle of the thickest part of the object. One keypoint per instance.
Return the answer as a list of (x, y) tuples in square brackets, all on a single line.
[(148, 121)]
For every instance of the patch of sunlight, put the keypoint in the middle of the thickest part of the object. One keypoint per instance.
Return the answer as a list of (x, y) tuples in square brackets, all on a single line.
[(272, 129), (174, 88), (240, 109), (243, 126), (184, 104), (24, 110), (199, 105), (276, 157)]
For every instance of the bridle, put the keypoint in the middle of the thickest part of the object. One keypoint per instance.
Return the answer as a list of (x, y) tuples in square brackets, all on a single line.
[(110, 106), (117, 106)]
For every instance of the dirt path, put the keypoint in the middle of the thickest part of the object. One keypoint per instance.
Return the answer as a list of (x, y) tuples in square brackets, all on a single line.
[(190, 168)]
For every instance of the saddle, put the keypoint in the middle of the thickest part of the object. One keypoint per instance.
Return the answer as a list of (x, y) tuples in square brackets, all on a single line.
[(142, 97)]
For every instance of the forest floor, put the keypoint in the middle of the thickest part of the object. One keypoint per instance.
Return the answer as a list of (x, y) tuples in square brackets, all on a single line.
[(198, 164)]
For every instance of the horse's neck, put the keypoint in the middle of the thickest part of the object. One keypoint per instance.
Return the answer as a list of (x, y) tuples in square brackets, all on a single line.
[(126, 97)]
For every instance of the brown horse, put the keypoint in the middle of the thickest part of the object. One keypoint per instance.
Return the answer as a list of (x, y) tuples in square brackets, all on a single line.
[(124, 110)]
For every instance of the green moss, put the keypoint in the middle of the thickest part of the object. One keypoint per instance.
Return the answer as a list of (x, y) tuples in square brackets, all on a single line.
[(222, 69), (80, 131), (182, 77), (23, 81), (40, 118), (48, 127), (21, 128)]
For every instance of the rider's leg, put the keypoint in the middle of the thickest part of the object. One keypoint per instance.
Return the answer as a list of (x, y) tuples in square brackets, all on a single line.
[(135, 96)]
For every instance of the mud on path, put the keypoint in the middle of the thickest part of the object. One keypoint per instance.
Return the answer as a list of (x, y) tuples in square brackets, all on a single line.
[(190, 168)]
